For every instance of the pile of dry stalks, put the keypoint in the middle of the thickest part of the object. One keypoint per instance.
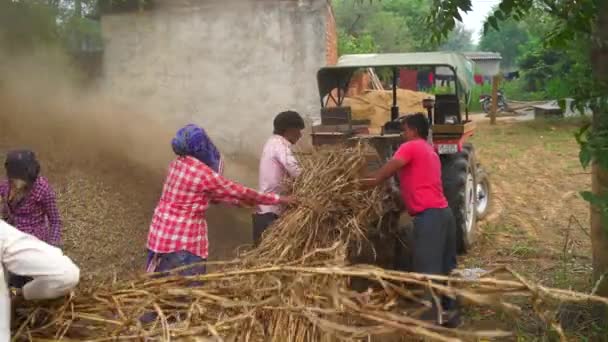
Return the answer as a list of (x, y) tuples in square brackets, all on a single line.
[(294, 287)]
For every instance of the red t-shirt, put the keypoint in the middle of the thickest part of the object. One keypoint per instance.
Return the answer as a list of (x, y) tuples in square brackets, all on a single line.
[(420, 178)]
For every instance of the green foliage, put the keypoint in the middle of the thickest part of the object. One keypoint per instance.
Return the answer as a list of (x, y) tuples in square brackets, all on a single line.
[(570, 37), (392, 25), (25, 25), (540, 65), (443, 16), (517, 90), (507, 41), (413, 13), (348, 44), (390, 32), (460, 39)]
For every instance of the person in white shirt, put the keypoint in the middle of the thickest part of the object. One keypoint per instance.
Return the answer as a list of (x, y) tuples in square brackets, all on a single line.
[(53, 274), (277, 163)]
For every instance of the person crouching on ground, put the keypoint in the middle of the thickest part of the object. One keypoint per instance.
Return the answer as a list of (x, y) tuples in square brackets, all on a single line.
[(52, 274), (27, 202), (276, 164), (178, 232), (433, 240)]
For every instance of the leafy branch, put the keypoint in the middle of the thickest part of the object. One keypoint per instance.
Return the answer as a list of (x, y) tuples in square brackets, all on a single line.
[(573, 21)]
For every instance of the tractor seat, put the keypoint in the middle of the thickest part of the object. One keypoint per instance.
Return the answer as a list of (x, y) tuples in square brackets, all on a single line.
[(446, 105), (336, 115)]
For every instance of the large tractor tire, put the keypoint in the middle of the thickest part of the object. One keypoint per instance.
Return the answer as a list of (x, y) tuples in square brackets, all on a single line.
[(483, 193), (459, 186)]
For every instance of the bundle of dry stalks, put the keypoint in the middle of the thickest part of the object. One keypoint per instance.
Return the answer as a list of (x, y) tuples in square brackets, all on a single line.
[(235, 305), (333, 213), (294, 287)]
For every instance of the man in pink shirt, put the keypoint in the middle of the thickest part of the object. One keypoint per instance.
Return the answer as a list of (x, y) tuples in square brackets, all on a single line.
[(418, 167), (276, 164)]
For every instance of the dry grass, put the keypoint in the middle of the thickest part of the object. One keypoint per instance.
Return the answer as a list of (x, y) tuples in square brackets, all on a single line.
[(295, 286), (279, 303)]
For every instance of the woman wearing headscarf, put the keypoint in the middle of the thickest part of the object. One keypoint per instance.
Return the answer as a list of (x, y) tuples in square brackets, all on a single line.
[(178, 232), (27, 202)]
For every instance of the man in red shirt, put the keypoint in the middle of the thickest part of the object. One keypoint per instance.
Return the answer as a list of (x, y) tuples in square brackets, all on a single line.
[(418, 167)]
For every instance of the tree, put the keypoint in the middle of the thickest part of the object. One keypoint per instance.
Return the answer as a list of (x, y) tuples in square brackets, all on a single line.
[(393, 25), (390, 32), (28, 24), (348, 44), (25, 25), (575, 21), (460, 39), (507, 41), (413, 13)]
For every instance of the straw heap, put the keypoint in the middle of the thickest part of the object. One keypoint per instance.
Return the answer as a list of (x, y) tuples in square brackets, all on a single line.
[(293, 287), (333, 213)]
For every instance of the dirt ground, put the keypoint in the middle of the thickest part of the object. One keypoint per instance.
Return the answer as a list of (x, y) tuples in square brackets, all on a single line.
[(538, 224), (537, 213)]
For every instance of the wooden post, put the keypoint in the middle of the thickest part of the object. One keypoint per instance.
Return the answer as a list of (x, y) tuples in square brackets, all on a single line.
[(495, 80)]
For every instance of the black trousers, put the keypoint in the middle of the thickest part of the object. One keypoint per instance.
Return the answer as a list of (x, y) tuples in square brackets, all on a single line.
[(260, 223), (433, 243), (17, 281)]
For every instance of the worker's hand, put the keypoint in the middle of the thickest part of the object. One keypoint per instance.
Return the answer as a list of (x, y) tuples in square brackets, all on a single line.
[(16, 296), (15, 292), (368, 182), (287, 200)]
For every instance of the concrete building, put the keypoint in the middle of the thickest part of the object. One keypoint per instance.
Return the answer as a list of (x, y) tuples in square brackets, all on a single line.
[(487, 63), (229, 65)]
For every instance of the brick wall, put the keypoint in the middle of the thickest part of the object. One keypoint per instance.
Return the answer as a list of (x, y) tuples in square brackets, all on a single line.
[(360, 82), (331, 37)]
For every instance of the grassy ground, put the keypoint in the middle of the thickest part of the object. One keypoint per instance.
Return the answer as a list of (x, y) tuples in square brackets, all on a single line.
[(538, 224)]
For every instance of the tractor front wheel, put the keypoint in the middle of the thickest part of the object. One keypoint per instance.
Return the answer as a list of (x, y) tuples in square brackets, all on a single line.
[(460, 186)]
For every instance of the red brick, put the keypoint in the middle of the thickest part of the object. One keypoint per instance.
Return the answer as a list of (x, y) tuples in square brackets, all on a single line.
[(331, 37)]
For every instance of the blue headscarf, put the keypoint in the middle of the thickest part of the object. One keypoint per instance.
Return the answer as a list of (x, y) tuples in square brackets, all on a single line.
[(191, 140)]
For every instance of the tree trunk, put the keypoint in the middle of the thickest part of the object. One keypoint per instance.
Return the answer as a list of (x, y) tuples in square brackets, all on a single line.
[(599, 237), (78, 8), (599, 228)]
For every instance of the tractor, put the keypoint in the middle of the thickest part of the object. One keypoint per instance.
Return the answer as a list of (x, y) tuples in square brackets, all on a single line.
[(465, 183)]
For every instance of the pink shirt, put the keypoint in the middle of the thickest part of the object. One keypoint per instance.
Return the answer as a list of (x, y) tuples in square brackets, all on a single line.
[(276, 163), (420, 178)]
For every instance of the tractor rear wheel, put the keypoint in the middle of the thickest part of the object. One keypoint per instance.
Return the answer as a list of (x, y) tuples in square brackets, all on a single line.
[(483, 193), (459, 186)]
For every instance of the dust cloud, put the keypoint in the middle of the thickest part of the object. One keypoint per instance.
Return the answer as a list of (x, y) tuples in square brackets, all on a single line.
[(107, 161)]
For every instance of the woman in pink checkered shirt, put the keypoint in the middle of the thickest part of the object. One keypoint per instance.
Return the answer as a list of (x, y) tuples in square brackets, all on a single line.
[(178, 232), (27, 202)]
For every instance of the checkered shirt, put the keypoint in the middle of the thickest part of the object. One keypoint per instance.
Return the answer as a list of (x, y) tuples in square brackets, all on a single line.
[(179, 218), (36, 214)]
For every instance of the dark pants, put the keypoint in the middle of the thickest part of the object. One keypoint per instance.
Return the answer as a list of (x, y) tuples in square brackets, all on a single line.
[(17, 281), (170, 261), (433, 243), (260, 223)]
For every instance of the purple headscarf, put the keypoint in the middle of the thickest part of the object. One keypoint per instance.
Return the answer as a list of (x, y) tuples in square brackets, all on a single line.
[(192, 140)]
